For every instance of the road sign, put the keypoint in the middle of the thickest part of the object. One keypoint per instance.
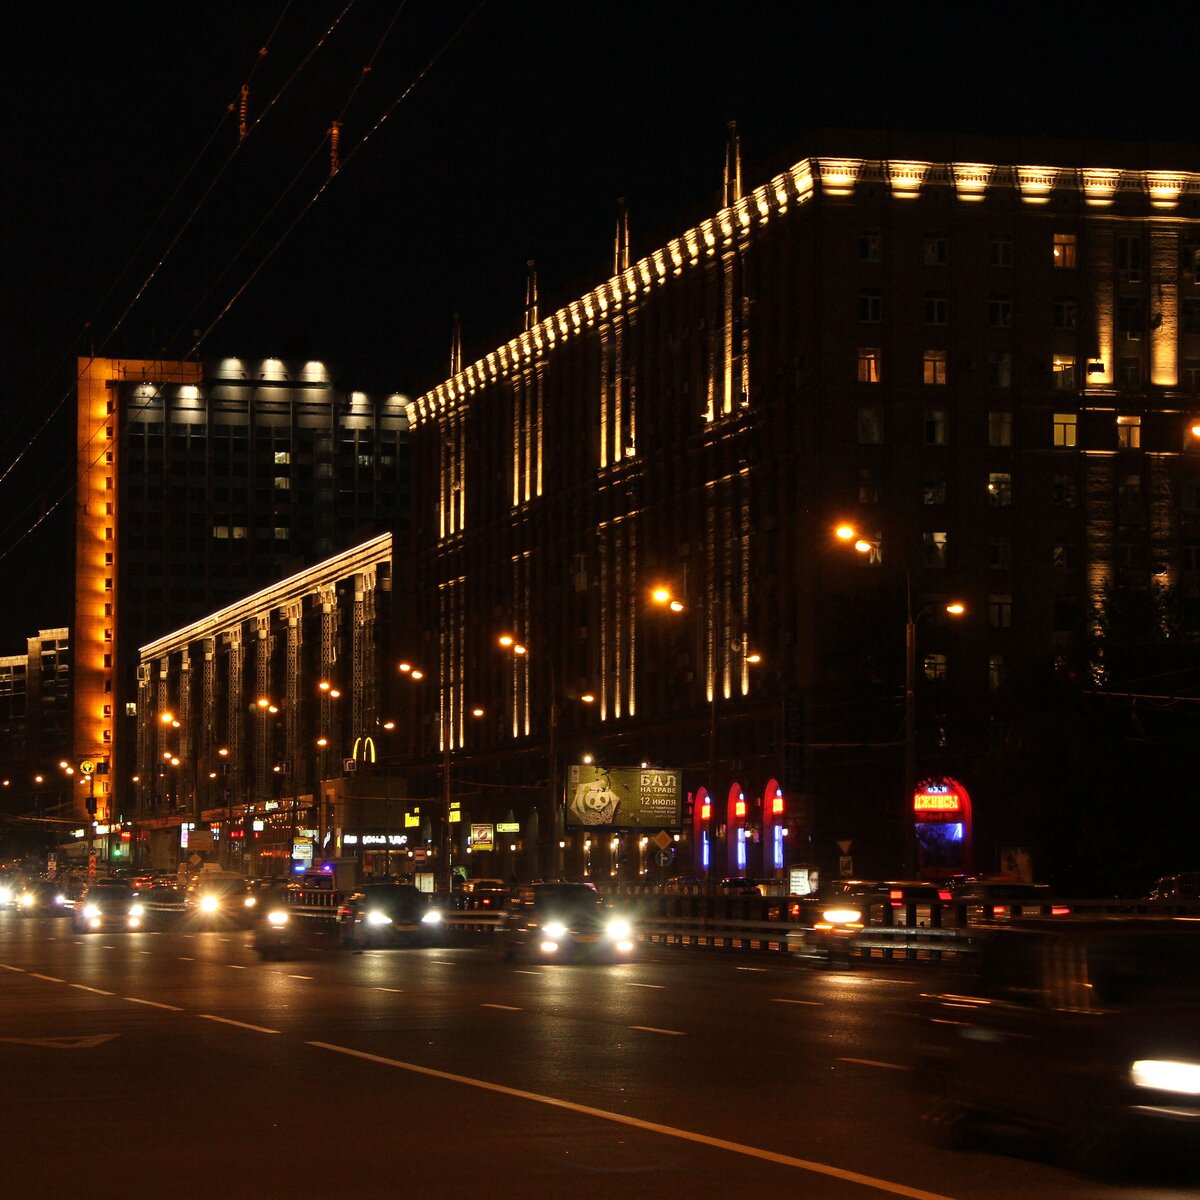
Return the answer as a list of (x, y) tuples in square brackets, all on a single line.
[(87, 767), (663, 858), (844, 845), (482, 837), (845, 866), (663, 839), (92, 865), (200, 839), (349, 765)]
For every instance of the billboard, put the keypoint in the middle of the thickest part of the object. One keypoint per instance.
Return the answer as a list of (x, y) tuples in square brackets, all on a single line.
[(624, 798)]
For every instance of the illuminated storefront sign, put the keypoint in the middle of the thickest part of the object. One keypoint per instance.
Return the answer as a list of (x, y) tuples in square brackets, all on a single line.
[(935, 802), (375, 839)]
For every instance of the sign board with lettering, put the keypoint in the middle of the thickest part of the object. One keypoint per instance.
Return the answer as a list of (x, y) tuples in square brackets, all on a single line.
[(200, 839), (482, 837), (624, 798)]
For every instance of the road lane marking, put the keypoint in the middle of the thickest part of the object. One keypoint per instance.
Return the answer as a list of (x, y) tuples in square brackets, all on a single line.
[(235, 967), (657, 986), (143, 951), (153, 1004), (686, 1135), (383, 989), (870, 1062), (519, 971), (239, 1024), (299, 976), (184, 958), (48, 978), (66, 1043), (810, 1003), (655, 1029), (83, 987), (763, 970), (506, 1007), (8, 968)]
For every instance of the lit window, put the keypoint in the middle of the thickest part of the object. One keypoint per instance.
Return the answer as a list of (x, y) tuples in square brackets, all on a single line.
[(934, 366), (1064, 251), (999, 488), (934, 666), (1066, 429), (1000, 612), (281, 533), (1062, 371), (1000, 312), (220, 531), (282, 483), (282, 456), (1129, 433), (869, 364), (237, 531), (933, 549), (999, 428)]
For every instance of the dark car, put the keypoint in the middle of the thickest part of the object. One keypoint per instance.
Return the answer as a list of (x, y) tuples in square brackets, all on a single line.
[(274, 920), (978, 901), (557, 921), (848, 907), (388, 914), (41, 898), (220, 901), (1087, 1031), (108, 905)]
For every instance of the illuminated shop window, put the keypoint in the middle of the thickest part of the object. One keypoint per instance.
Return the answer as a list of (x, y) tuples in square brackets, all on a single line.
[(870, 364), (934, 367), (1063, 252)]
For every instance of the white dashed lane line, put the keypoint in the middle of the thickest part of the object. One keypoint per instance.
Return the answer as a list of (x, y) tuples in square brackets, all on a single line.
[(47, 978), (655, 1029), (235, 967), (383, 989), (152, 1003), (300, 977), (870, 1062), (784, 1000), (518, 971), (83, 987), (657, 986), (239, 1024), (505, 1007), (8, 968)]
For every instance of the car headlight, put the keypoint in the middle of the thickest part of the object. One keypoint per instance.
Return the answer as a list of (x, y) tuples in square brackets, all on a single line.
[(618, 930), (6, 895), (26, 900), (277, 917), (554, 929), (136, 910), (376, 917), (432, 917), (842, 916), (1167, 1075), (91, 910), (209, 904), (60, 900), (250, 901)]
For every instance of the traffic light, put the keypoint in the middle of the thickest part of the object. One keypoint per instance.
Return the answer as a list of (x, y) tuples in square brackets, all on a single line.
[(705, 809), (91, 806)]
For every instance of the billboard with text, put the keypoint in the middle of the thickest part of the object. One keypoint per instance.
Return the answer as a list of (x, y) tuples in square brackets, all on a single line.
[(624, 798)]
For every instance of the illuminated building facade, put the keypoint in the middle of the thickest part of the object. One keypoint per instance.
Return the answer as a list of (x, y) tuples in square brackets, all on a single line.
[(989, 368), (35, 716), (246, 717), (199, 483)]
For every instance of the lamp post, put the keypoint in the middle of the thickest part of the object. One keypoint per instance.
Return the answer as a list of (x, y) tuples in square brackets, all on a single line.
[(847, 533)]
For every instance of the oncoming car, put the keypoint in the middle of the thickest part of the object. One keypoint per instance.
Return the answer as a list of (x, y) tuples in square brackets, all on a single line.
[(388, 914), (557, 921), (850, 906), (41, 898), (220, 899), (108, 906)]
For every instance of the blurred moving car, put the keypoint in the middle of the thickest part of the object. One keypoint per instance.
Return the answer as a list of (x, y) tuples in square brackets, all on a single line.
[(1085, 1030), (986, 900), (1182, 887), (274, 925), (217, 898), (486, 893), (388, 914), (848, 906), (557, 921), (41, 898), (108, 905)]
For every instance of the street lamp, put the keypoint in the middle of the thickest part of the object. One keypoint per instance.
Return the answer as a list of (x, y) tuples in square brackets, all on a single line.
[(956, 608), (663, 597)]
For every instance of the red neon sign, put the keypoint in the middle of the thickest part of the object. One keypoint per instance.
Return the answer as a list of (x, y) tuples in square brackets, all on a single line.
[(935, 802)]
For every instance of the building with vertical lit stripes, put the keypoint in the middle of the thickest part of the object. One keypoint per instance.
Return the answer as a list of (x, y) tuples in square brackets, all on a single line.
[(198, 484), (983, 354)]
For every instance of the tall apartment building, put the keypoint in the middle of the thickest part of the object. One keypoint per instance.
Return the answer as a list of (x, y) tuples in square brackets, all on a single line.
[(199, 483), (35, 716), (982, 354)]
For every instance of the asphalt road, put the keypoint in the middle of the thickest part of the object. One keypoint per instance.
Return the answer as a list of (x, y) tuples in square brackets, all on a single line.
[(174, 1063)]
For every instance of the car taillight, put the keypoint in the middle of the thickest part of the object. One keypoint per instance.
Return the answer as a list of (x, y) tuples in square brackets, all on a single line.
[(896, 897), (1059, 910), (1001, 910), (944, 896)]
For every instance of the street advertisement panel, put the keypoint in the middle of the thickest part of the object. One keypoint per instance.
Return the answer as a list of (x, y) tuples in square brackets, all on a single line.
[(624, 798), (482, 837)]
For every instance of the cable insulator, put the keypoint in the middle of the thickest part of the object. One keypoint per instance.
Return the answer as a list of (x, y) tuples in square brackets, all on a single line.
[(335, 131), (243, 107)]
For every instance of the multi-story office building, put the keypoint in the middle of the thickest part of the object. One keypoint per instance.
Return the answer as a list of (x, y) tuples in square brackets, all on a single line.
[(35, 717), (199, 483), (983, 355)]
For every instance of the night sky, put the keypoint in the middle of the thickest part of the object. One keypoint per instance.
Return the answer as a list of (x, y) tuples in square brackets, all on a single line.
[(531, 119)]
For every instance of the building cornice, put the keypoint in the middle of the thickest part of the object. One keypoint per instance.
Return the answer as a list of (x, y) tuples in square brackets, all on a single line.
[(1099, 187)]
